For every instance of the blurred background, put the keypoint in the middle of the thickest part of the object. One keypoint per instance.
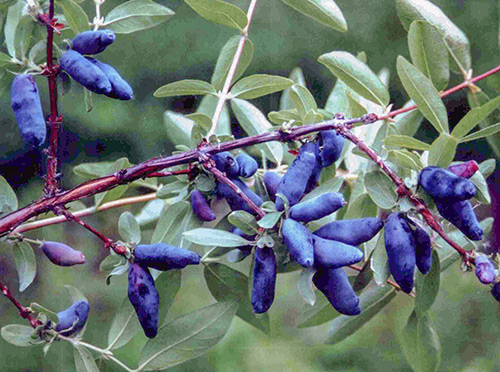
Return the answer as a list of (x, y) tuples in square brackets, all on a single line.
[(186, 47)]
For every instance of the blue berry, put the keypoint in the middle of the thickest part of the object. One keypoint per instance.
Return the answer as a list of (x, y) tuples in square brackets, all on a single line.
[(120, 89), (62, 254), (144, 298), (73, 319), (352, 232), (461, 214), (85, 72), (330, 146), (93, 42), (333, 254), (225, 162), (271, 181), (264, 280), (162, 256), (443, 184), (485, 270), (248, 166), (200, 206), (299, 241), (317, 208)]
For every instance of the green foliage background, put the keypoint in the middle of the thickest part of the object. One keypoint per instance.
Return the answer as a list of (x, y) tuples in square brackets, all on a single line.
[(187, 46)]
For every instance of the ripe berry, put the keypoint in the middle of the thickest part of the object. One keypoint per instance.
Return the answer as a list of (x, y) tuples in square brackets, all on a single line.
[(271, 181), (495, 291), (334, 284), (162, 256), (485, 270), (144, 298), (333, 254), (93, 42), (400, 246), (73, 319), (120, 89), (352, 232), (200, 206), (225, 162), (235, 201), (61, 254), (25, 101), (264, 280), (294, 182), (317, 208), (299, 241), (461, 214), (248, 165), (443, 184), (423, 249), (85, 72), (330, 146)]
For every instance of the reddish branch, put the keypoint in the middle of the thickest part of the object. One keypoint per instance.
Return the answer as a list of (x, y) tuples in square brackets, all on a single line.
[(23, 311)]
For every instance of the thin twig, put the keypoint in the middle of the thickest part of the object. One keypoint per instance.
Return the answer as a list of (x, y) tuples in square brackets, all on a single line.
[(23, 311)]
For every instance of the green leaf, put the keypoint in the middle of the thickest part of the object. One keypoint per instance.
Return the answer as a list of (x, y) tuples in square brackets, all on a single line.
[(421, 90), (225, 283), (171, 216), (25, 264), (483, 193), (75, 294), (84, 361), (427, 286), (362, 206), (8, 198), (269, 220), (5, 59), (321, 312), (178, 128), (259, 85), (356, 75), (325, 12), (486, 132), (215, 238), (305, 285), (75, 16), (332, 185), (381, 189), (49, 313), (280, 117), (219, 12), (473, 118), (128, 228), (18, 335), (405, 141), (168, 284), (355, 108), (478, 99), (406, 159), (428, 53), (245, 221), (225, 60), (302, 100), (487, 167), (14, 15), (379, 262), (297, 76), (24, 33), (411, 10), (172, 189), (420, 343), (188, 336), (207, 107), (150, 212), (185, 88), (443, 151), (253, 122), (136, 15), (372, 301)]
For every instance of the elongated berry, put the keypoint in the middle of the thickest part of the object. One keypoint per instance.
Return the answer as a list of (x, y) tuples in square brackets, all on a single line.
[(299, 241), (271, 181), (317, 208), (334, 284), (495, 291), (93, 42), (235, 201), (400, 247), (330, 146), (62, 254), (264, 280), (443, 184), (314, 178), (465, 170), (330, 253), (225, 162), (461, 214), (120, 89), (85, 72), (485, 270), (248, 165), (73, 319), (200, 206), (294, 182), (162, 256), (144, 298), (352, 232), (25, 101), (423, 249)]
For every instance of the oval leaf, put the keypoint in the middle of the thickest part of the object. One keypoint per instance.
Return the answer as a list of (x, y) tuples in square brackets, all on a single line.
[(25, 264), (473, 118), (325, 12), (128, 228), (84, 361), (381, 189), (427, 286), (302, 100), (443, 151), (220, 12), (405, 141), (18, 335), (245, 221), (185, 88), (8, 198), (215, 238), (75, 16), (259, 85)]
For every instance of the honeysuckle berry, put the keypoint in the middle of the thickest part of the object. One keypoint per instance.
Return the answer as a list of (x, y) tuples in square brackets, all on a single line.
[(62, 254), (120, 89), (271, 181), (264, 280), (294, 182), (85, 72), (443, 184), (163, 256), (25, 101), (334, 284), (235, 201), (73, 319), (248, 166), (485, 270), (461, 214), (330, 145), (495, 291), (423, 249), (201, 207), (330, 253), (465, 170), (225, 162), (144, 298), (317, 208), (400, 247), (352, 232), (93, 42), (299, 242)]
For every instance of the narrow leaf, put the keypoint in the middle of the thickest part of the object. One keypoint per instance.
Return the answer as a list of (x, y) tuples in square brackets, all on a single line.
[(84, 361), (185, 88), (405, 141), (427, 286), (14, 15), (75, 16), (255, 86), (381, 189), (325, 12), (171, 216), (8, 198), (128, 228), (297, 76), (124, 325), (215, 238), (302, 100), (478, 99), (25, 264), (443, 151), (220, 12), (482, 133), (473, 118)]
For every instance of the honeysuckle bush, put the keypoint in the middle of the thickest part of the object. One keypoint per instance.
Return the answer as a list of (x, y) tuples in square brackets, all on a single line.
[(376, 170)]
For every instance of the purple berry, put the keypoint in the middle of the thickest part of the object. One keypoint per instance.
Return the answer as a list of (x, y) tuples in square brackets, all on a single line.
[(248, 166), (299, 241), (271, 181), (352, 232), (461, 214), (485, 270), (62, 255), (144, 298), (93, 42), (225, 162), (317, 208), (423, 249), (200, 206), (330, 145), (73, 319), (264, 280), (162, 256), (120, 89), (333, 254), (465, 170), (443, 184), (85, 72)]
